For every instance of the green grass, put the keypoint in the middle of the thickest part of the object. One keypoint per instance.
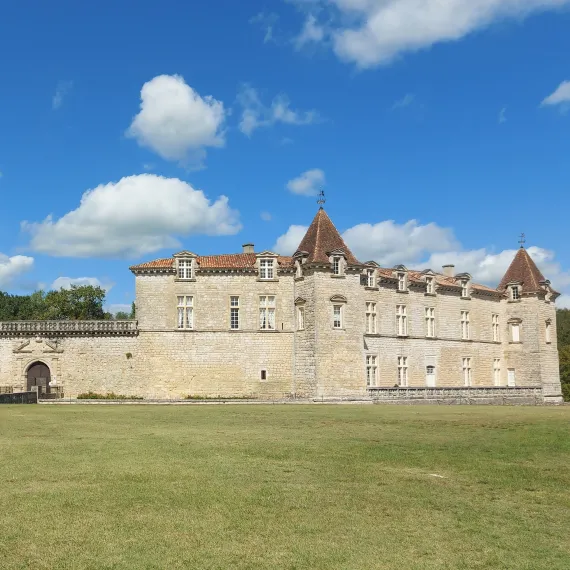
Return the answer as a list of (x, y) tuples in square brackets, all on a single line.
[(284, 487)]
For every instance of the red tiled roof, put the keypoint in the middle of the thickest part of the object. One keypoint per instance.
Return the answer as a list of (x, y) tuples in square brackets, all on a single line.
[(524, 270), (224, 261), (443, 280), (321, 238)]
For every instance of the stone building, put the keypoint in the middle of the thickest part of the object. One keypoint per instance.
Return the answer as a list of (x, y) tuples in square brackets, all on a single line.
[(319, 325)]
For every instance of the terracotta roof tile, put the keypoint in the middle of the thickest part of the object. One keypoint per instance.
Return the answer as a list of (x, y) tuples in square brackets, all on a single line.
[(524, 270), (322, 237), (224, 261)]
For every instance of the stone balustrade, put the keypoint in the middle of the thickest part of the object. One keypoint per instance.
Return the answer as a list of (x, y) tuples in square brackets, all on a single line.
[(68, 328), (458, 395)]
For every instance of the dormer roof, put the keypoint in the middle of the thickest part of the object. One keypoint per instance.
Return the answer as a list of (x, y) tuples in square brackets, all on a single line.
[(322, 238)]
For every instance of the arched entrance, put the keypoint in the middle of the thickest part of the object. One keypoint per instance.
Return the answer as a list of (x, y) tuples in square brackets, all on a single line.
[(39, 375)]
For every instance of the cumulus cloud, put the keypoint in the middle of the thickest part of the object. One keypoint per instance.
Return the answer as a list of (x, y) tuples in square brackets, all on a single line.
[(288, 243), (62, 89), (430, 246), (267, 23), (390, 243), (312, 32), (134, 216), (67, 282), (176, 122), (308, 183), (374, 32), (561, 96), (11, 268), (256, 114)]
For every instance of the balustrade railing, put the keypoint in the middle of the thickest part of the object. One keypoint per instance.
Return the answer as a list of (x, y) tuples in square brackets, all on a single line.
[(460, 392), (15, 328)]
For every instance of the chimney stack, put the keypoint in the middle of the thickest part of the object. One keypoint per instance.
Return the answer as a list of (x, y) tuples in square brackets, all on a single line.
[(449, 270), (248, 248)]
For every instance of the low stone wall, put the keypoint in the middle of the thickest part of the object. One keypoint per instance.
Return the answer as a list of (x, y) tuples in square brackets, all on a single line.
[(493, 395)]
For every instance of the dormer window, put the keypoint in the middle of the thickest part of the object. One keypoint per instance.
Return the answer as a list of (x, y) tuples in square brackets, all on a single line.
[(515, 293), (465, 288), (430, 285), (266, 270), (337, 265), (185, 269), (402, 282), (370, 278), (298, 268)]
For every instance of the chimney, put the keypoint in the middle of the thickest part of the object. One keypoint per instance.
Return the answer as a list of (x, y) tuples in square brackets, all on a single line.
[(248, 248), (449, 270)]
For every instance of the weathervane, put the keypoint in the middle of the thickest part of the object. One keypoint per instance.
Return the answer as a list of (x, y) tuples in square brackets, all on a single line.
[(321, 200), (522, 240)]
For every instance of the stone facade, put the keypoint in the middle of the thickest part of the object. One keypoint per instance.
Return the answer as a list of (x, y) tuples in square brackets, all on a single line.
[(302, 331)]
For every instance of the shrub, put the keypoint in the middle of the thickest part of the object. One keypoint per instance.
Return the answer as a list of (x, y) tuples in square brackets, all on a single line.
[(108, 396)]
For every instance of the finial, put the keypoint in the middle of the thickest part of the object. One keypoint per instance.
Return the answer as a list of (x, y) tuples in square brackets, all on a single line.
[(321, 199), (522, 240)]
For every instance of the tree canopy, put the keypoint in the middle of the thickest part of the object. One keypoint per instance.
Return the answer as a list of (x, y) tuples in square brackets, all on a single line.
[(79, 302)]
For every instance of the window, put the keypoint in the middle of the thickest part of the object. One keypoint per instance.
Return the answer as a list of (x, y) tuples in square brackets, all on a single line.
[(511, 378), (402, 370), (497, 371), (371, 318), (263, 375), (370, 281), (185, 312), (185, 269), (515, 332), (465, 288), (467, 374), (234, 312), (401, 282), (337, 316), (430, 285), (337, 266), (266, 269), (496, 328), (465, 325), (267, 313), (300, 318), (515, 293), (548, 332), (430, 322), (371, 371), (401, 320), (299, 269)]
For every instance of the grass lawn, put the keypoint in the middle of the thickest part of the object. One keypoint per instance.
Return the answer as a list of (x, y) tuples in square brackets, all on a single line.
[(284, 487)]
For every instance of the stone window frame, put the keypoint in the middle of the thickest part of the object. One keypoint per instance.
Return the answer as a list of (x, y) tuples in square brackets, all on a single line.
[(430, 285), (237, 309), (267, 307), (467, 367), (185, 259), (371, 317), (515, 293), (267, 266), (403, 372), (548, 331), (371, 364), (465, 325), (263, 375), (515, 324), (496, 327), (339, 301), (402, 328), (187, 309), (497, 372), (300, 317), (430, 320)]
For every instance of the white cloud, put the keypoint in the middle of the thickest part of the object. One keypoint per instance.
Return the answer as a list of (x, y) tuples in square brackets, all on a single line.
[(374, 32), (62, 89), (134, 216), (266, 216), (11, 268), (176, 122), (67, 282), (503, 116), (312, 32), (390, 243), (256, 114), (288, 243), (404, 102), (308, 183), (560, 97), (267, 23)]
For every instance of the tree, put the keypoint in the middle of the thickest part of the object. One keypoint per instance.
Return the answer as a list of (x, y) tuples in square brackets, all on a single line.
[(122, 316)]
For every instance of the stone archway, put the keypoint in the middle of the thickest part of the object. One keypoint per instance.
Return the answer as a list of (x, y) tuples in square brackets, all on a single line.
[(38, 374)]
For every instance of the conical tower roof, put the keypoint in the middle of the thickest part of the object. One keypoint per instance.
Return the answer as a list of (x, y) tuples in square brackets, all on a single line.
[(523, 270), (321, 238)]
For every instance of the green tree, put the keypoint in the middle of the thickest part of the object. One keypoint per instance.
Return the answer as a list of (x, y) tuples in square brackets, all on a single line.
[(122, 316)]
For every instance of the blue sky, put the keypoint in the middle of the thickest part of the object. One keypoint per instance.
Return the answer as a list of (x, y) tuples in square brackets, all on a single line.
[(439, 134)]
